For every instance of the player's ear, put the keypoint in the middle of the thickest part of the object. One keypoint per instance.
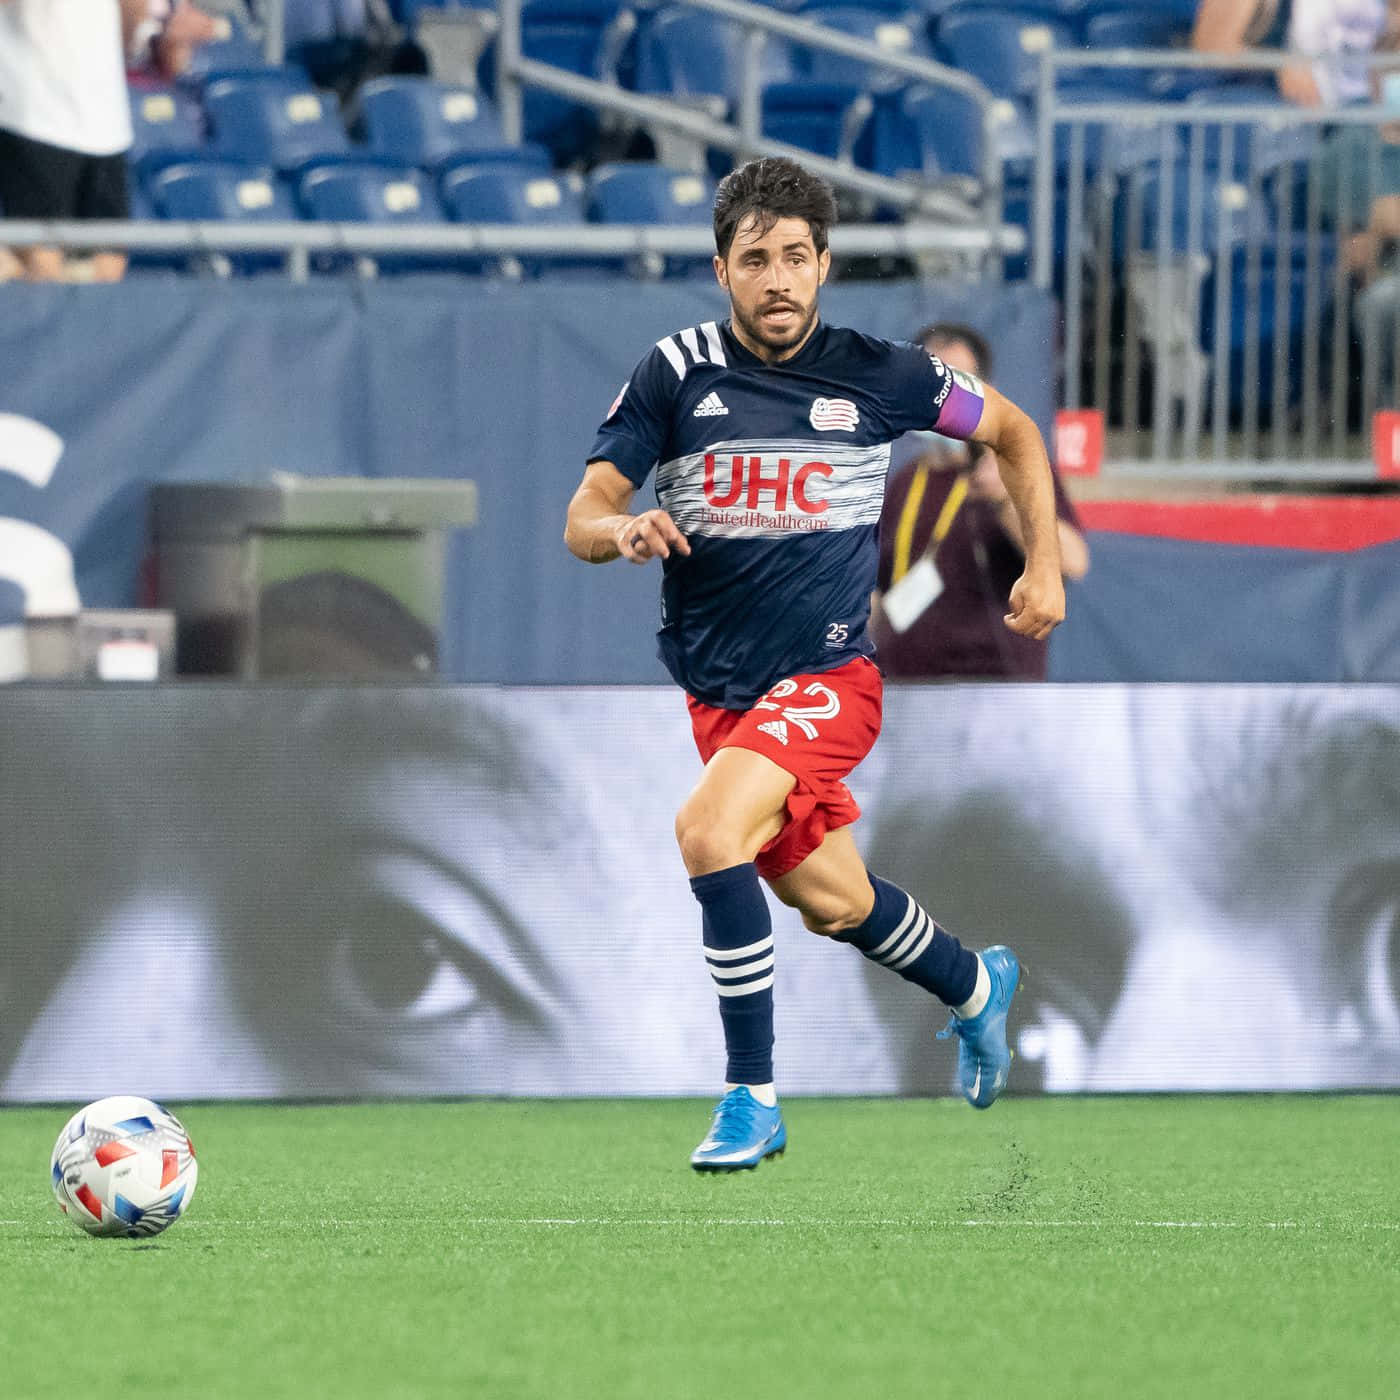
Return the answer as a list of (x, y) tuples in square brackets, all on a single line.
[(721, 272), (823, 265)]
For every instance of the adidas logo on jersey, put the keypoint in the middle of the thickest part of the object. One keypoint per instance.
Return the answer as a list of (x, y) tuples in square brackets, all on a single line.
[(710, 407), (776, 727)]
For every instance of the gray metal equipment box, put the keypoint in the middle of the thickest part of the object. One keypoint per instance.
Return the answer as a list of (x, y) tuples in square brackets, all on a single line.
[(306, 576)]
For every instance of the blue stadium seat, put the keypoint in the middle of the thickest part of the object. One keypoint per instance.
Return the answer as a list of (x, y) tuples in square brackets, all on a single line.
[(1115, 146), (1182, 13), (273, 121), (355, 192), (1267, 145), (581, 36), (893, 33), (930, 130), (689, 54), (217, 189), (1225, 213), (638, 192), (416, 121), (1001, 47), (502, 195), (824, 118), (239, 54), (642, 193), (166, 127), (1068, 11), (1134, 29)]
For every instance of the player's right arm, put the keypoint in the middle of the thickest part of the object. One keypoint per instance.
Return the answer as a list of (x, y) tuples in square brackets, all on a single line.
[(601, 527)]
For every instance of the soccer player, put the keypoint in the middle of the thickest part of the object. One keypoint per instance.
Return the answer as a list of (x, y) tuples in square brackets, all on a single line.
[(770, 435)]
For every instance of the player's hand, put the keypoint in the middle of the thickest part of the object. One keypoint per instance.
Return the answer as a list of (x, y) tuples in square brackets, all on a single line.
[(1037, 603), (651, 535)]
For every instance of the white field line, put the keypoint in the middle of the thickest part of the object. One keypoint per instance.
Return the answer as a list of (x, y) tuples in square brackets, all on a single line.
[(763, 1222)]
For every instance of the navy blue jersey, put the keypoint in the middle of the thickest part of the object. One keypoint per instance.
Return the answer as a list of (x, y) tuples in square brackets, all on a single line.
[(776, 475)]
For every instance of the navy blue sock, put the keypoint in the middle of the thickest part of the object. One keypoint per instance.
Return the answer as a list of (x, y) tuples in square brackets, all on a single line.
[(901, 936), (738, 932)]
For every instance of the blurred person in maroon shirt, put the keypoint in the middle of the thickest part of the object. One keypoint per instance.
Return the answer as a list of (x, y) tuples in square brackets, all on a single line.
[(950, 549)]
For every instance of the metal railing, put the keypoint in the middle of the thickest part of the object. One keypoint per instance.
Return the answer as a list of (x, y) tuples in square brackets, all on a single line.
[(1224, 307), (744, 137), (646, 243)]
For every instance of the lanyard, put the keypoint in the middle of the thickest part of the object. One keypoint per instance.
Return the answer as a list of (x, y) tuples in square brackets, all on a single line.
[(904, 533)]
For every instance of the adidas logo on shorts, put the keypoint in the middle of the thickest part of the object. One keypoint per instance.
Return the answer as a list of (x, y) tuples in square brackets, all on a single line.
[(710, 407), (777, 728)]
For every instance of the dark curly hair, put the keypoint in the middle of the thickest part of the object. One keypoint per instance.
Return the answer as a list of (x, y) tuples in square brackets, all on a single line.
[(771, 189)]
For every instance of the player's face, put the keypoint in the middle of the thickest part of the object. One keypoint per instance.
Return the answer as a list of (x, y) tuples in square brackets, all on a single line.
[(772, 277)]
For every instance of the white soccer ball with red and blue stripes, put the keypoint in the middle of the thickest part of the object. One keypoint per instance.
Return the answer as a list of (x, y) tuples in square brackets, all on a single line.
[(124, 1166)]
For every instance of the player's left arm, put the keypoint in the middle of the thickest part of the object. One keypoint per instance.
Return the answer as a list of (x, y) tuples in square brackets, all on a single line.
[(1038, 596)]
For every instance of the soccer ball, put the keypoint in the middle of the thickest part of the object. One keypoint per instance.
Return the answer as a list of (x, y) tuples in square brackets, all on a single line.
[(123, 1166)]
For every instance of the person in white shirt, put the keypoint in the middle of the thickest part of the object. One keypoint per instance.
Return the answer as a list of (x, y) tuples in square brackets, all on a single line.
[(64, 120)]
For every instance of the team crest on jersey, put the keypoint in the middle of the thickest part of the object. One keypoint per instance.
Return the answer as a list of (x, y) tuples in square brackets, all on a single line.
[(834, 415)]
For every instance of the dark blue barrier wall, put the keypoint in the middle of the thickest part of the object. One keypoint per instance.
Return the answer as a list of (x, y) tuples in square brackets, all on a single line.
[(166, 381), (1177, 610)]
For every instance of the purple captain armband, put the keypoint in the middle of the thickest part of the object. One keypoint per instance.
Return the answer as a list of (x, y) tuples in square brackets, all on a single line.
[(962, 409)]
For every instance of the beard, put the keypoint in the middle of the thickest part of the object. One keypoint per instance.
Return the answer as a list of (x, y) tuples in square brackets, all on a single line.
[(784, 339)]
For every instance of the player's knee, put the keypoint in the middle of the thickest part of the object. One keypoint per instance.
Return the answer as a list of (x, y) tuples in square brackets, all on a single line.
[(836, 912), (834, 915), (705, 842)]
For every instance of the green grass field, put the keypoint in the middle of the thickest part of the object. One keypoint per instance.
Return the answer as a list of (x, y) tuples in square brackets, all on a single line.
[(1073, 1247)]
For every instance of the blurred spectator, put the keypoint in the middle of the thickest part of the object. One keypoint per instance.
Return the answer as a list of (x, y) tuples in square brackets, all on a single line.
[(161, 44), (951, 542), (343, 43), (64, 120), (1313, 27)]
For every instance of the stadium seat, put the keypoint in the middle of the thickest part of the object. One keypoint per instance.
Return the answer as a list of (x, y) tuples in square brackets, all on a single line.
[(1133, 29), (1225, 212), (502, 195), (351, 192), (581, 36), (894, 34), (824, 118), (239, 54), (497, 195), (688, 54), (216, 189), (1115, 146), (277, 122), (166, 127), (1261, 143), (416, 121), (1001, 47), (930, 130), (642, 193)]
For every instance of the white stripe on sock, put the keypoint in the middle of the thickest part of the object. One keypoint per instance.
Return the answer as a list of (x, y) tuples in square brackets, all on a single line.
[(760, 986), (729, 974), (749, 950), (908, 941), (899, 933), (917, 950)]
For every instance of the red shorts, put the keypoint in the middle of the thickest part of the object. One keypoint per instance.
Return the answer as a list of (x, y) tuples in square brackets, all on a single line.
[(817, 727)]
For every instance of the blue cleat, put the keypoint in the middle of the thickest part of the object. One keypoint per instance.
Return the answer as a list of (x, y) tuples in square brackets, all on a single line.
[(984, 1059), (742, 1134)]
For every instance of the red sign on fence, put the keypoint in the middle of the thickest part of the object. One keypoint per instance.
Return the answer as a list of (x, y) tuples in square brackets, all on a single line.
[(1078, 448), (1385, 443)]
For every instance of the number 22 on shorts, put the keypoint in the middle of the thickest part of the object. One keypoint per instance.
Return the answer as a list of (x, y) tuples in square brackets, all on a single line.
[(805, 717)]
